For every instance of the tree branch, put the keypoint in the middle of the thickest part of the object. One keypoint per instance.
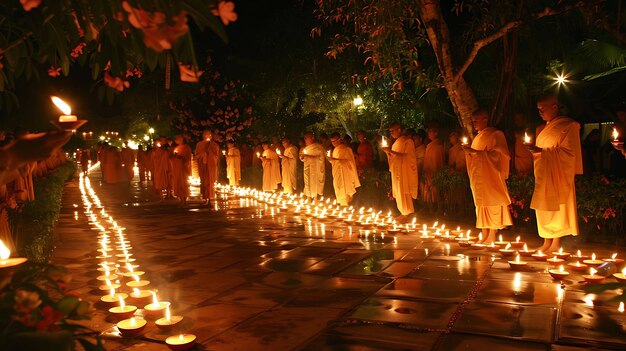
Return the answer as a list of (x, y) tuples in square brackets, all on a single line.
[(479, 44)]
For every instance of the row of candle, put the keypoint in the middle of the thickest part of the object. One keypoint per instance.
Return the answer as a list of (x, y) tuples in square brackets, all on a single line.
[(122, 311)]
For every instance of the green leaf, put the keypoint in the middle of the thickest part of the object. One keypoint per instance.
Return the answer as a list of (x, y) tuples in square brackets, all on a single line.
[(68, 304)]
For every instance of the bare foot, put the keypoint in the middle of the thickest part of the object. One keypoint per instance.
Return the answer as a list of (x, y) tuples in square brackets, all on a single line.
[(546, 245)]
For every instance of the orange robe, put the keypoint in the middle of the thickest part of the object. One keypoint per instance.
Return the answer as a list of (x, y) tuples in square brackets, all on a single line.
[(434, 158), (180, 160), (365, 155), (233, 166), (488, 169), (345, 176), (112, 163), (160, 160), (128, 162), (456, 158), (403, 168), (523, 157), (554, 197), (213, 159), (314, 169), (201, 159), (271, 170)]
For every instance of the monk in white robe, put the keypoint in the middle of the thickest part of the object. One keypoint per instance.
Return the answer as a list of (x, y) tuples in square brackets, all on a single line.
[(161, 165), (557, 159), (233, 164), (201, 159), (345, 176), (289, 161), (271, 168), (128, 162), (488, 168), (403, 168), (314, 166), (180, 160)]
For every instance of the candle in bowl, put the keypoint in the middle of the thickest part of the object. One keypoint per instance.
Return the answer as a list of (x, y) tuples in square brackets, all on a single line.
[(108, 285), (593, 262), (619, 263), (122, 311), (527, 139), (169, 321), (501, 242), (157, 308), (507, 251), (113, 297), (140, 297), (539, 256), (526, 252), (493, 247), (580, 257), (593, 278), (131, 326), (67, 121), (137, 283), (517, 263), (181, 342), (559, 274), (5, 258), (517, 244), (561, 254), (577, 266), (555, 261), (447, 237), (621, 277)]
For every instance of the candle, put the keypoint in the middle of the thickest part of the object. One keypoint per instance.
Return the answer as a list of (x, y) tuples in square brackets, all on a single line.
[(562, 255), (526, 252), (224, 152), (328, 153), (527, 139), (592, 278), (65, 108), (619, 263), (5, 258), (278, 152), (540, 256), (131, 326), (169, 321), (507, 251), (258, 155), (140, 297), (577, 266), (156, 308), (181, 342), (517, 244), (493, 247), (122, 311), (113, 297), (593, 262), (500, 241), (555, 261), (559, 274), (136, 283), (464, 141), (580, 257), (384, 142), (615, 134), (621, 307), (621, 277), (517, 264)]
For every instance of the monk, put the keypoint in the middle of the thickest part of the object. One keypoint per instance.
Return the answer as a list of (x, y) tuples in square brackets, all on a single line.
[(365, 152), (557, 159), (201, 159), (180, 161), (85, 159), (271, 168), (403, 168), (111, 165), (233, 163), (488, 168), (434, 160), (141, 163), (277, 144), (213, 159), (289, 162), (312, 155), (345, 176), (160, 160), (128, 162), (456, 155), (419, 140)]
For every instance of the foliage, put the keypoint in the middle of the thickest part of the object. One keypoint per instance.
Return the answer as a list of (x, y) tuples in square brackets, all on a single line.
[(601, 203), (521, 189), (222, 105), (33, 222), (36, 311), (116, 39), (375, 190)]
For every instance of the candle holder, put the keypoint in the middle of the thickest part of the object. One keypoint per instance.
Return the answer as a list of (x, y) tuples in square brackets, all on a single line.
[(620, 277), (517, 264), (555, 261), (539, 256), (132, 326), (593, 278), (123, 312), (593, 262), (493, 247), (111, 300), (561, 254), (181, 342), (68, 124), (168, 322), (140, 297), (559, 274), (577, 266)]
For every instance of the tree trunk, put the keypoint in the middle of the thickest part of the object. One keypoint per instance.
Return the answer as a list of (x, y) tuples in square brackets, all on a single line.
[(460, 94)]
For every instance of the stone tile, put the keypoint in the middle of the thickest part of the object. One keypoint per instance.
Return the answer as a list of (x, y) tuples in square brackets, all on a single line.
[(429, 315), (427, 289), (518, 291), (465, 342), (371, 337)]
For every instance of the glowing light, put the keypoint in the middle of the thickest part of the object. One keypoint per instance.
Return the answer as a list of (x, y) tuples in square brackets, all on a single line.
[(358, 101), (65, 108)]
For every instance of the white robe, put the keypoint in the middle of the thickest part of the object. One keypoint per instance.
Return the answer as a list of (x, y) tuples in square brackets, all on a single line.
[(271, 170), (233, 166), (314, 170), (289, 163), (403, 168), (345, 176)]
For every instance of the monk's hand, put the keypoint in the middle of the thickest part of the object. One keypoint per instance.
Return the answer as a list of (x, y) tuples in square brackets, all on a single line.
[(533, 148), (618, 145), (386, 149), (35, 147), (467, 149)]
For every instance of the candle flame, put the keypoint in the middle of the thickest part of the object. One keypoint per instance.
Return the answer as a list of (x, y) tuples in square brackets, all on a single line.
[(508, 246), (181, 337), (5, 253), (168, 315), (517, 259), (500, 237), (384, 142), (561, 269), (560, 251), (615, 134), (517, 239), (112, 292), (154, 298), (525, 247), (526, 138), (121, 302), (465, 140), (593, 256), (593, 271), (65, 108), (621, 307), (133, 323), (480, 236), (614, 256), (579, 253), (135, 291)]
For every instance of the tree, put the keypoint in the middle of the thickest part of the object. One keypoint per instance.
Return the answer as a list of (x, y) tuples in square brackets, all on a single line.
[(393, 35)]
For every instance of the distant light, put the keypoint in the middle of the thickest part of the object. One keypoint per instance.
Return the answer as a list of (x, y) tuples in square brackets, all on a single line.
[(151, 130), (358, 101), (146, 137), (101, 137), (561, 79)]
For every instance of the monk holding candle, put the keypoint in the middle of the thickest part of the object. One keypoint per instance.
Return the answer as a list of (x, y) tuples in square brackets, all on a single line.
[(488, 168), (211, 154), (271, 168), (201, 159), (345, 177), (289, 160), (180, 159), (434, 159), (160, 160), (403, 168), (365, 152), (314, 169), (128, 162), (233, 163), (557, 159)]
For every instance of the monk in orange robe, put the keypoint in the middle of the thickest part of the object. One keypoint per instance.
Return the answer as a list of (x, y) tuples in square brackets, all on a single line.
[(488, 168), (160, 160), (456, 155), (403, 168), (112, 165), (557, 159), (180, 160), (364, 152), (434, 160), (213, 158), (201, 159)]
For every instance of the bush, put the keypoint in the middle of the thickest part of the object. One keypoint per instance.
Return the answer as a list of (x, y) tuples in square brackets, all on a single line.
[(375, 190), (32, 222), (521, 191)]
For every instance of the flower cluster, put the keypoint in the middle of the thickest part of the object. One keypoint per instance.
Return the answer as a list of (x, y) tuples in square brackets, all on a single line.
[(158, 35), (116, 83), (78, 50)]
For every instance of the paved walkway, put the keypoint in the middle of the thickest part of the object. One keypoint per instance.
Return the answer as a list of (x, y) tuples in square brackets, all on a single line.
[(249, 280)]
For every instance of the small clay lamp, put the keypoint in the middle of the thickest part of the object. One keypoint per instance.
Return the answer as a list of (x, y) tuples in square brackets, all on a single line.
[(131, 326), (577, 266), (580, 257), (526, 252), (507, 251), (539, 256), (493, 247), (621, 277), (457, 231), (181, 342), (555, 261), (517, 263), (619, 263), (157, 308), (6, 262), (447, 237), (477, 246), (561, 254), (113, 297), (395, 230), (137, 283), (593, 278), (559, 274), (501, 242), (122, 311), (517, 244), (140, 297), (168, 322), (593, 262)]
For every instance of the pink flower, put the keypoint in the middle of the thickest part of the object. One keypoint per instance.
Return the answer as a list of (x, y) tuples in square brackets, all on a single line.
[(31, 4), (115, 82), (157, 34), (54, 71), (78, 50), (188, 73), (226, 12)]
